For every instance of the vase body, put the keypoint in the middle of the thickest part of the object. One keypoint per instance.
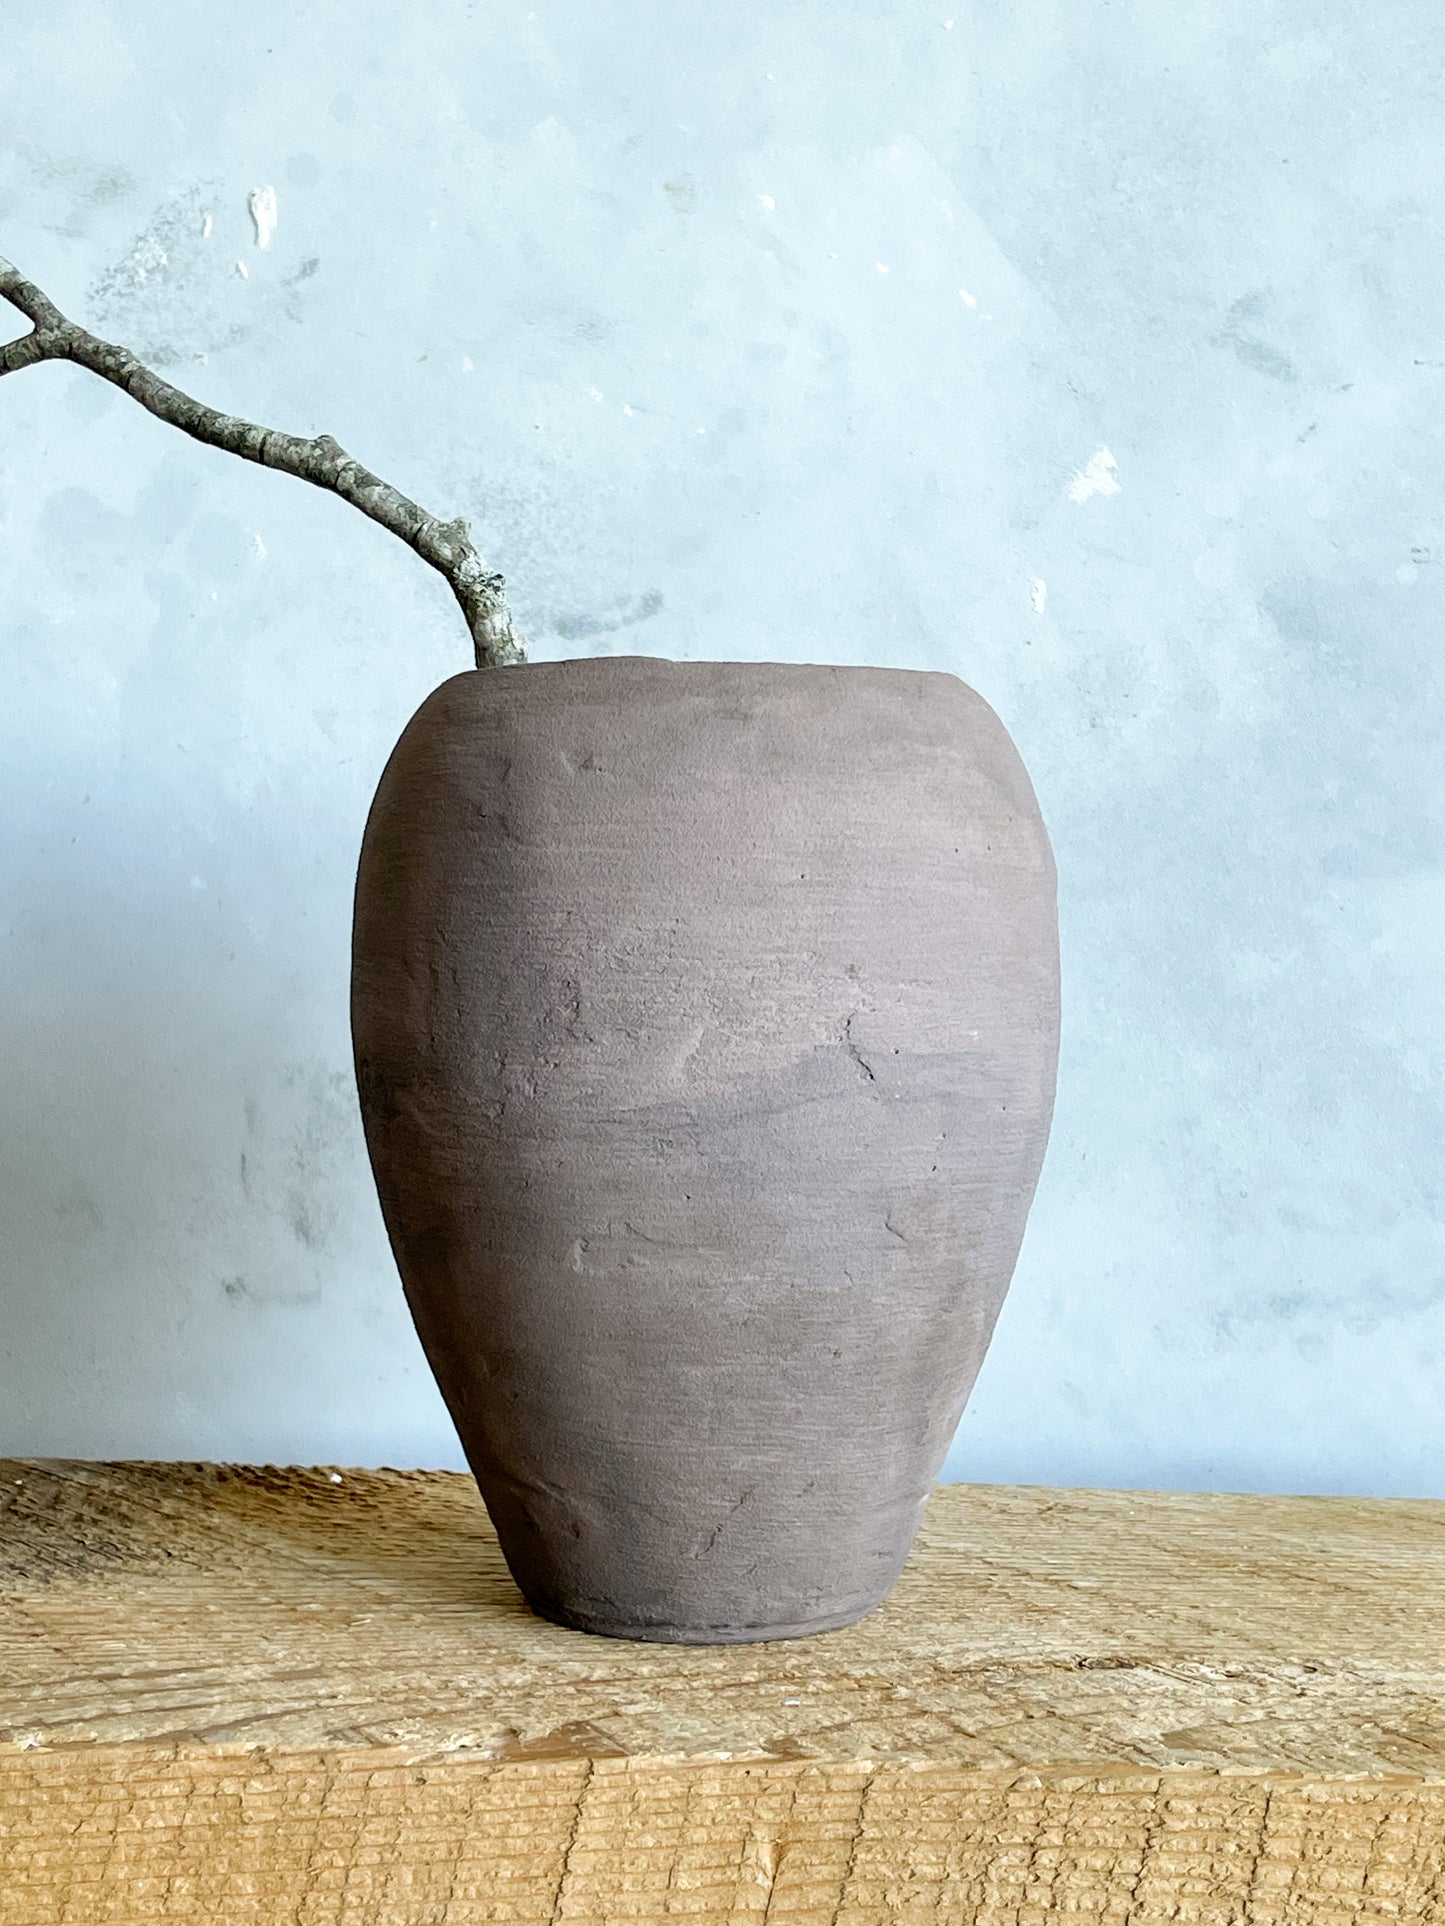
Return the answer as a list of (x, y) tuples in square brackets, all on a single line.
[(706, 1022)]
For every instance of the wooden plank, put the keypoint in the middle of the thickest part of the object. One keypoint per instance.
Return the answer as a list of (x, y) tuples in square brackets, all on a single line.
[(255, 1694)]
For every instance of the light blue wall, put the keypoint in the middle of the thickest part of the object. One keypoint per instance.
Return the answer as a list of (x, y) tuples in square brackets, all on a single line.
[(765, 330)]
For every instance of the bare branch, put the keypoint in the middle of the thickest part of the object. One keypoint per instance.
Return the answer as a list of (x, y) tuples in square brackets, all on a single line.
[(318, 460)]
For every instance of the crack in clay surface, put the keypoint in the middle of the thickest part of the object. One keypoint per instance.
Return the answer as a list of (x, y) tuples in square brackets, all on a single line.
[(855, 1053)]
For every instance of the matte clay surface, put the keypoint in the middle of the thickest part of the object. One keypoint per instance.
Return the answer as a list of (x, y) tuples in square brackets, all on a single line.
[(706, 1024)]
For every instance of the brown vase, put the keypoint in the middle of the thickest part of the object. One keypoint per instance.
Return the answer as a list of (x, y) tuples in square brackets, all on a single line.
[(706, 1022)]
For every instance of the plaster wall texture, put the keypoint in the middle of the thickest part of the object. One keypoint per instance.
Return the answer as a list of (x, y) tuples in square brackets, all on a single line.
[(1091, 352)]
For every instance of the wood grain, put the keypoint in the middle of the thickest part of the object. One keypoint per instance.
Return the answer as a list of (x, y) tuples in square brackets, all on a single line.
[(250, 1694)]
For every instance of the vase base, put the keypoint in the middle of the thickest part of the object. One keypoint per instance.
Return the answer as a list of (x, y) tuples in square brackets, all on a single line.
[(664, 1634)]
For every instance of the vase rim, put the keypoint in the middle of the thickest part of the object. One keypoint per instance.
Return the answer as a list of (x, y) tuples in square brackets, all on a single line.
[(665, 664)]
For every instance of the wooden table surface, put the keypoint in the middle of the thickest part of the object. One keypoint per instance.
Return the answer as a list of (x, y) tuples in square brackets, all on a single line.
[(243, 1694)]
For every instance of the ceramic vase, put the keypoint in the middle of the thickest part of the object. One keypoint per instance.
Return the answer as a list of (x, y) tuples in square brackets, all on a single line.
[(706, 1023)]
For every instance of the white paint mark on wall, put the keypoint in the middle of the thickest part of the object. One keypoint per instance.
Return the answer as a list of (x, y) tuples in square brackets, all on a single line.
[(968, 300), (1038, 595), (262, 204), (206, 226), (767, 203), (258, 545), (1096, 477), (882, 266), (467, 364), (243, 270), (148, 257)]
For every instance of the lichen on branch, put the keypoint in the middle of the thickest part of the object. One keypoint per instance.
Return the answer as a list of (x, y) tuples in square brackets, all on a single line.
[(318, 459)]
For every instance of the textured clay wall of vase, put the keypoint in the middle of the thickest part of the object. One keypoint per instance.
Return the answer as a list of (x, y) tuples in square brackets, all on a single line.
[(706, 1024)]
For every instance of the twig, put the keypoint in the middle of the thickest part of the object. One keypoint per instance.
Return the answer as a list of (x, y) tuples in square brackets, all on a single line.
[(320, 460)]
